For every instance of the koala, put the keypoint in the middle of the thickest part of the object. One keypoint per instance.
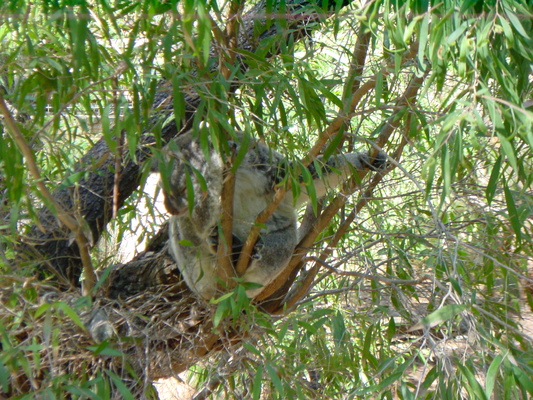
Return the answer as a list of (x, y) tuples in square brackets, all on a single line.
[(193, 227)]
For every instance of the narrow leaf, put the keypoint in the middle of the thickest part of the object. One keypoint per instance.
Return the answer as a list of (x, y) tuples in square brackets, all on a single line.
[(69, 312), (441, 315), (119, 384), (4, 378), (274, 378), (494, 175), (508, 150), (256, 385), (490, 380), (512, 211), (517, 24)]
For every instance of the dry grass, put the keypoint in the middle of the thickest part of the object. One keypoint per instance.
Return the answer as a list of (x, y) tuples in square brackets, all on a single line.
[(160, 334)]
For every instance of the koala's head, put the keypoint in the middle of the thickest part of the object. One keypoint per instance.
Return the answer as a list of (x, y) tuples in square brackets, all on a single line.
[(192, 181)]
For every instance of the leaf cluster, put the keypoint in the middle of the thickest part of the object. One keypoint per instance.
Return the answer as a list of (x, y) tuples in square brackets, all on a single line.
[(417, 287)]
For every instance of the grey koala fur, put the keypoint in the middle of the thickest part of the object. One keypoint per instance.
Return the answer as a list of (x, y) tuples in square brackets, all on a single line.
[(192, 229)]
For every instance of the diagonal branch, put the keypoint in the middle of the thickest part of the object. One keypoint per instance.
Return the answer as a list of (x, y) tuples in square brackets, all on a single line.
[(303, 289), (360, 53), (285, 279)]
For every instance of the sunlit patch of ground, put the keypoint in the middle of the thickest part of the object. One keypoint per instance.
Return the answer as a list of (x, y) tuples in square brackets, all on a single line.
[(174, 389)]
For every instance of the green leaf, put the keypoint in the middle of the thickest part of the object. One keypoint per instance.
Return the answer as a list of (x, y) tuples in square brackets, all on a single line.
[(508, 150), (223, 308), (4, 378), (493, 181), (42, 309), (257, 383), (523, 378), (339, 328), (388, 380), (69, 312), (119, 384), (423, 39), (310, 329), (512, 211), (447, 173), (72, 179), (334, 144), (507, 30), (241, 153), (379, 88), (441, 315), (204, 31), (391, 328), (475, 389), (252, 349), (452, 37), (82, 392), (368, 346), (490, 379), (310, 188), (105, 349), (276, 381), (132, 135), (516, 23)]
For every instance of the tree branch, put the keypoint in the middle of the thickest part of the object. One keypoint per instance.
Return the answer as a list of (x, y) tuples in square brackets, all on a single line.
[(283, 280)]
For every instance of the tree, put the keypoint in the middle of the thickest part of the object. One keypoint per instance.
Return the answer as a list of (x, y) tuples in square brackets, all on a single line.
[(412, 286)]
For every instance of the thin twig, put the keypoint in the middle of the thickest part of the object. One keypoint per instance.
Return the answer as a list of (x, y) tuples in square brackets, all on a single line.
[(261, 219), (501, 322), (118, 171), (118, 153), (225, 241)]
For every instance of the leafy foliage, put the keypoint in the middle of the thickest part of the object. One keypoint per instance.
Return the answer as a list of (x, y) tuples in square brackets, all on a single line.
[(421, 284)]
